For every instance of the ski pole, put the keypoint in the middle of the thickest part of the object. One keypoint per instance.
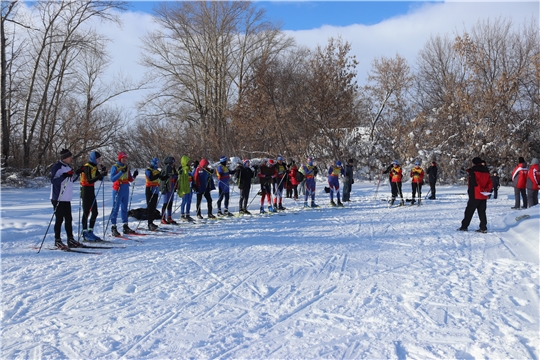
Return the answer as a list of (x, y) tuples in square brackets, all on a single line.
[(52, 217), (132, 191), (110, 215)]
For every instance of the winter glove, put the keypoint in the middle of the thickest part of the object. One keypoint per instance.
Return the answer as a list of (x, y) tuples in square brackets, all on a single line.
[(79, 170), (135, 174), (68, 174), (99, 176), (164, 177)]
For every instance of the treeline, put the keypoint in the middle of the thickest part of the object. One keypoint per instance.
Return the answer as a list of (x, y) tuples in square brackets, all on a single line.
[(229, 82)]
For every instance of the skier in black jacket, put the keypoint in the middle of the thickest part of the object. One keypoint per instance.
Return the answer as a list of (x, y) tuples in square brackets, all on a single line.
[(432, 178), (245, 177)]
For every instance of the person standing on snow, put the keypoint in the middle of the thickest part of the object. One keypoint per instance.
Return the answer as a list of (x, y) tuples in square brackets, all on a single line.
[(168, 189), (61, 195), (266, 174), (479, 186), (334, 171), (519, 181), (309, 171), (185, 178), (496, 180), (293, 178), (348, 180), (121, 177), (223, 176), (417, 176), (396, 175), (279, 181), (533, 181), (153, 177), (89, 176), (432, 178), (204, 183), (245, 177)]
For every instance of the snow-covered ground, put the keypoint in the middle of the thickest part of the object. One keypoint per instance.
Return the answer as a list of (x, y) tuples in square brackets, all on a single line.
[(365, 281)]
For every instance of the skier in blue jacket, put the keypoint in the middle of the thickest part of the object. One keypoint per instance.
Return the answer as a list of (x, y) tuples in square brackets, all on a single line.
[(121, 178), (334, 171)]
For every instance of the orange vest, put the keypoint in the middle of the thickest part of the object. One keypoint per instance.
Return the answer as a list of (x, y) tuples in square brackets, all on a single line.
[(153, 183), (93, 172)]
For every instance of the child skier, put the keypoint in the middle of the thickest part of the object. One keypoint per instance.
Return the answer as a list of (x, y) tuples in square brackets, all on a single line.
[(121, 177), (153, 177), (204, 184), (267, 172), (309, 171), (185, 177), (168, 188), (89, 176), (245, 177), (223, 176), (417, 176), (279, 181), (396, 175), (334, 171)]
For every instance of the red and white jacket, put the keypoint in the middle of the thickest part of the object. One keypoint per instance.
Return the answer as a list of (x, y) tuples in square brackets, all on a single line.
[(533, 180), (519, 176)]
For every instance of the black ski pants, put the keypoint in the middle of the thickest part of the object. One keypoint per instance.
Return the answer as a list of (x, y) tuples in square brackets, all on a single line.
[(151, 204), (244, 197), (396, 190), (432, 189), (208, 198), (62, 212), (416, 187), (520, 193), (89, 204), (472, 206)]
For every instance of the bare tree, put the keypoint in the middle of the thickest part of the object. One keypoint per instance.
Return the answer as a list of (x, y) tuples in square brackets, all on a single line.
[(201, 57)]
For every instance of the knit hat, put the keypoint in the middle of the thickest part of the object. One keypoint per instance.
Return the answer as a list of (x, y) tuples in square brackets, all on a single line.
[(521, 159), (246, 162), (270, 162), (155, 162), (223, 159), (280, 158), (395, 162), (122, 155), (534, 161), (65, 153), (417, 162), (477, 161), (338, 163), (94, 155)]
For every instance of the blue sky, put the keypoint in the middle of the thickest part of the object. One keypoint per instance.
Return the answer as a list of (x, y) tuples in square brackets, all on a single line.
[(305, 15)]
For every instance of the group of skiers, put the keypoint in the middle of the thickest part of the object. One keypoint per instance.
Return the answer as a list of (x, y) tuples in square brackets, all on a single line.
[(417, 174), (274, 177)]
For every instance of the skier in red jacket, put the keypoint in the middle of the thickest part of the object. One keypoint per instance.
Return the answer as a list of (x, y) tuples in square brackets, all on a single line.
[(519, 180), (533, 182), (479, 189)]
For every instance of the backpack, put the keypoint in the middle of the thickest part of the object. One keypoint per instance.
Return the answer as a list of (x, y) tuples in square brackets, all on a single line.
[(140, 214), (299, 176)]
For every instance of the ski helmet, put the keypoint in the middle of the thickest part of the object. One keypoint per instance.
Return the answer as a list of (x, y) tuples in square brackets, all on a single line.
[(310, 160), (417, 163), (122, 155), (279, 158), (223, 159), (395, 162), (155, 162)]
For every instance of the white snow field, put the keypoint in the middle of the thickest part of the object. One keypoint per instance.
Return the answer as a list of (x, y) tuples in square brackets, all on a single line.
[(366, 281)]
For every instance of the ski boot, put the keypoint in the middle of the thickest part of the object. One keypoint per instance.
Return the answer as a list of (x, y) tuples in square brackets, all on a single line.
[(262, 210), (481, 231), (152, 227), (211, 216), (392, 201), (339, 203), (164, 220), (280, 207), (271, 209), (306, 204), (227, 213), (59, 244), (246, 212), (313, 205), (72, 243), (171, 221), (127, 230), (183, 218), (114, 231), (219, 213), (189, 218), (332, 203), (199, 216), (402, 202), (413, 202)]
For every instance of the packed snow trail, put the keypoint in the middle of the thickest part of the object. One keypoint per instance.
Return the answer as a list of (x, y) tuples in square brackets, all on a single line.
[(361, 282)]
